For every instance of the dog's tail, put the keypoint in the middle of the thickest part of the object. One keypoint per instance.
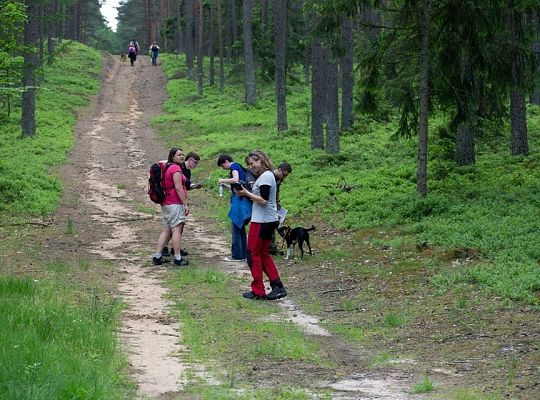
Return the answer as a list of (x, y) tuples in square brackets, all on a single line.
[(311, 229)]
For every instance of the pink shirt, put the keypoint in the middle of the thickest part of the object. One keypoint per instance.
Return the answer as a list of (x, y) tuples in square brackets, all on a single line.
[(171, 196)]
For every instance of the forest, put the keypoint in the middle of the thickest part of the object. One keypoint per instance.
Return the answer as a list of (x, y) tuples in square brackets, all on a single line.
[(413, 129)]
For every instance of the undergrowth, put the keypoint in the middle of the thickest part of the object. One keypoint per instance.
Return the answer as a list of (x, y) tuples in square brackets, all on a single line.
[(26, 184), (490, 208)]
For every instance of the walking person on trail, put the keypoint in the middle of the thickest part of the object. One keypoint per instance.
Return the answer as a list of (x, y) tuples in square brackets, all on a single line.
[(191, 161), (154, 52), (264, 221), (239, 210), (174, 208), (132, 54)]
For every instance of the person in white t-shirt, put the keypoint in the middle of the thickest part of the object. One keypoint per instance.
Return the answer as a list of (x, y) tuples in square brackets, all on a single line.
[(264, 221)]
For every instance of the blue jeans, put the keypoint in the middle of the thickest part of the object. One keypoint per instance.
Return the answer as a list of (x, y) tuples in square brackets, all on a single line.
[(239, 242)]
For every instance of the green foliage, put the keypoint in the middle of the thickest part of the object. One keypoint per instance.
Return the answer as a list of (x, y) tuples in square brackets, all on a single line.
[(26, 185), (489, 207), (53, 348), (424, 386)]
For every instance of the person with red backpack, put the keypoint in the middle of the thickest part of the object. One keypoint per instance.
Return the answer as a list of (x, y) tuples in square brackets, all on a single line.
[(174, 207)]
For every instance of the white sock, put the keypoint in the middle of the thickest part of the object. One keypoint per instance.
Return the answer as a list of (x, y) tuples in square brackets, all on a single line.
[(157, 255), (177, 257)]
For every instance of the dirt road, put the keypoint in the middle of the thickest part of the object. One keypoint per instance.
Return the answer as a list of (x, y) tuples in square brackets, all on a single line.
[(105, 186)]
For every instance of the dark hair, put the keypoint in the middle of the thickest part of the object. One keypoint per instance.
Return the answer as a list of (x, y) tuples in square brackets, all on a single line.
[(285, 166), (172, 152), (261, 155), (193, 155), (223, 158)]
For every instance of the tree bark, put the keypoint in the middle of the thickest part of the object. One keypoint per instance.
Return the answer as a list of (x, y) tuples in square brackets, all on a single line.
[(280, 26), (421, 176), (249, 67), (220, 40), (28, 109), (465, 143), (347, 78), (211, 40), (332, 105), (264, 15), (189, 39), (317, 97), (200, 25), (518, 115), (234, 26)]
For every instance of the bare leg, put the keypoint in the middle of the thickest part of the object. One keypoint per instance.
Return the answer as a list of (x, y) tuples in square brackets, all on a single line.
[(163, 239), (176, 239)]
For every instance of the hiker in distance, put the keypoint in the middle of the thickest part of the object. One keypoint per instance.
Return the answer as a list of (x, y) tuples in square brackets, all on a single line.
[(239, 210), (174, 208), (264, 221), (154, 52), (192, 159)]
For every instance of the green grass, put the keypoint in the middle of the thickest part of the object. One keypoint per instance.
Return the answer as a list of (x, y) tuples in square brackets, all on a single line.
[(54, 348), (219, 326), (489, 207), (426, 385), (26, 184)]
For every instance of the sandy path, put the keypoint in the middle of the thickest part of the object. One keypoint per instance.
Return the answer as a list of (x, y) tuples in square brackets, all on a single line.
[(115, 146)]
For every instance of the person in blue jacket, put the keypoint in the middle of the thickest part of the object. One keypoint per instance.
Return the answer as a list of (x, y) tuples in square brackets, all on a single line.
[(239, 211), (154, 52)]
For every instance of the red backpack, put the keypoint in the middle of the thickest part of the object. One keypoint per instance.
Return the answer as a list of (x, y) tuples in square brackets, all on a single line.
[(156, 177)]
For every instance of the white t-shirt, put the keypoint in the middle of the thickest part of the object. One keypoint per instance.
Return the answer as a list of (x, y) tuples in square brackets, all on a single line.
[(267, 213)]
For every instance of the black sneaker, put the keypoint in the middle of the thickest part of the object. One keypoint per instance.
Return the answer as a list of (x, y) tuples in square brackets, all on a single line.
[(183, 253), (252, 296), (181, 262), (276, 293), (165, 252), (157, 261)]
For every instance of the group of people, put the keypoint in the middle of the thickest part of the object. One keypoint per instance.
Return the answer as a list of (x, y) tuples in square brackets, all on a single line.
[(134, 49), (256, 207)]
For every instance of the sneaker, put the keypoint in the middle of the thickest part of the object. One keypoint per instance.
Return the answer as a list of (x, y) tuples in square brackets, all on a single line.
[(157, 261), (165, 252), (181, 262), (231, 259), (276, 293), (252, 296), (183, 253)]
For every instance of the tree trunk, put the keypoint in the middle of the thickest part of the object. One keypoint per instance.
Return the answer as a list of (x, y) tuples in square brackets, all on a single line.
[(535, 94), (332, 105), (31, 33), (220, 40), (421, 176), (264, 15), (249, 67), (280, 26), (211, 43), (465, 142), (189, 39), (347, 78), (317, 97), (200, 24), (234, 26), (519, 144), (518, 116)]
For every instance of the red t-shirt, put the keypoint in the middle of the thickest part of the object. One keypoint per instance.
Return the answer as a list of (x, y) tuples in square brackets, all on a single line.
[(171, 196)]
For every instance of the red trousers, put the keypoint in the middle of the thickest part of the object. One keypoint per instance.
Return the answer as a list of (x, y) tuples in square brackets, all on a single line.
[(259, 258)]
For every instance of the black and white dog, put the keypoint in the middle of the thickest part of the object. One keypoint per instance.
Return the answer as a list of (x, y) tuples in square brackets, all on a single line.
[(295, 235)]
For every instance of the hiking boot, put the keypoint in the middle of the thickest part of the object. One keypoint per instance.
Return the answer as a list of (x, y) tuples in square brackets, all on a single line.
[(276, 293), (183, 253), (181, 262), (252, 296), (165, 252), (157, 261)]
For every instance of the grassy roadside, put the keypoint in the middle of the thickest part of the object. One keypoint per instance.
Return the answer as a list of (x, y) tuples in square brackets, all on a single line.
[(59, 320), (422, 285)]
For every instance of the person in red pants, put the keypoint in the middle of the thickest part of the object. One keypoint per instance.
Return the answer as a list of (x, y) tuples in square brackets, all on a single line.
[(264, 221)]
